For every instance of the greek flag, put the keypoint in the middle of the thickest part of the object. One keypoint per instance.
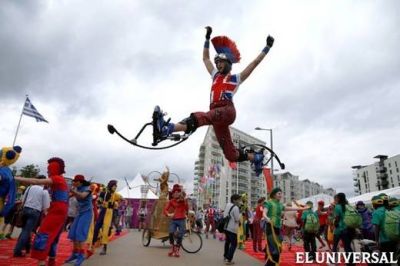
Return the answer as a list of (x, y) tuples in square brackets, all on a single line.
[(31, 111)]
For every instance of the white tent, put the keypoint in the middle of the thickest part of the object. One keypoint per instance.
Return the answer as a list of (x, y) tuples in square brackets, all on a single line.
[(366, 198), (133, 190), (314, 199)]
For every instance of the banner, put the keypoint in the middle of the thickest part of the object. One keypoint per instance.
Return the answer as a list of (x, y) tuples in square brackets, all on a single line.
[(268, 179)]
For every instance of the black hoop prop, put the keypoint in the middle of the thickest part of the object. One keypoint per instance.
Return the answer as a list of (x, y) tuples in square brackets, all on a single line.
[(273, 154), (178, 138)]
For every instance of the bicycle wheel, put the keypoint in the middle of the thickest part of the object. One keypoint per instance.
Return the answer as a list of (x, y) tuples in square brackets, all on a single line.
[(146, 237), (192, 242)]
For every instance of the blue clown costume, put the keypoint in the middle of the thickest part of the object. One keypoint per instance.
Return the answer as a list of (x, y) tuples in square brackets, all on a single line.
[(80, 227), (8, 156)]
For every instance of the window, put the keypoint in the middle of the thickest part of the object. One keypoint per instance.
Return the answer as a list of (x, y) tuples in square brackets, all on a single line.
[(397, 170), (395, 163), (390, 165)]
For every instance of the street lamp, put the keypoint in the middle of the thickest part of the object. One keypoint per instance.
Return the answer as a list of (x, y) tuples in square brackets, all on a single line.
[(272, 148)]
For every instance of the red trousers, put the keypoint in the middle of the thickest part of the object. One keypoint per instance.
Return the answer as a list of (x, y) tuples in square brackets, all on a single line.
[(49, 230), (221, 115), (210, 223), (257, 235)]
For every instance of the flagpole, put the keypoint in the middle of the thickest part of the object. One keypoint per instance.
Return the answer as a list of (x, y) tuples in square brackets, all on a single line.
[(19, 122)]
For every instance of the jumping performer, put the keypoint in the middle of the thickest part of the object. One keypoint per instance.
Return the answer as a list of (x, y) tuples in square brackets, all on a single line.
[(222, 110)]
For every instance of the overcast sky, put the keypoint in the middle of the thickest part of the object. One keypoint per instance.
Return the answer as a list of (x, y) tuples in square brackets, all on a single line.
[(329, 87)]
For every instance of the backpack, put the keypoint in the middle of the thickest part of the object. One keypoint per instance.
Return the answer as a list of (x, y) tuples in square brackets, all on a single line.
[(352, 219), (222, 223), (311, 224), (391, 226)]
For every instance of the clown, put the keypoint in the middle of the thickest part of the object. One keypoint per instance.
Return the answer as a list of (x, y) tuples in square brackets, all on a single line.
[(241, 235), (8, 156), (95, 189), (109, 201), (222, 110), (80, 227), (46, 240), (176, 209)]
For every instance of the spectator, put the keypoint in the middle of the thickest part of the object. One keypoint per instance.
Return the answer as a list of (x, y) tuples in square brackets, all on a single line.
[(122, 213), (232, 210), (249, 224), (142, 214), (72, 211), (341, 232), (257, 229), (367, 229), (35, 201), (322, 216), (331, 226), (128, 215), (10, 218), (210, 221), (290, 224), (385, 245), (394, 204), (199, 220), (311, 227)]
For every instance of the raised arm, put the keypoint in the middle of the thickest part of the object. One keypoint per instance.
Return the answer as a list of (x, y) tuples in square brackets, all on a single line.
[(206, 51), (79, 195), (34, 181), (247, 71)]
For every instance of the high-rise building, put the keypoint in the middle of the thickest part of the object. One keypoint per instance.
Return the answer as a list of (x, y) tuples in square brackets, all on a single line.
[(223, 181), (295, 189), (215, 181), (380, 175)]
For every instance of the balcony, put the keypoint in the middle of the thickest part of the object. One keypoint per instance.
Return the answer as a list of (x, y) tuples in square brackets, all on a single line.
[(382, 176), (381, 169), (355, 184), (355, 178), (385, 184)]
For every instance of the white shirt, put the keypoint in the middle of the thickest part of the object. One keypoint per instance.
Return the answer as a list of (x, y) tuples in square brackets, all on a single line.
[(233, 224), (37, 198)]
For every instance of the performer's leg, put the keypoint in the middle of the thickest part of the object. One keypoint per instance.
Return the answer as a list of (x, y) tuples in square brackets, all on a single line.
[(225, 114), (223, 135)]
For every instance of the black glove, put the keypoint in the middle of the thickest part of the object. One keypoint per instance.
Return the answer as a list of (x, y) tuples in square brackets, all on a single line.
[(270, 41), (208, 34)]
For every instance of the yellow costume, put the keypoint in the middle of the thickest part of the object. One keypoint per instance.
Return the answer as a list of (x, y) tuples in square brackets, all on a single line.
[(8, 156), (241, 234), (109, 202)]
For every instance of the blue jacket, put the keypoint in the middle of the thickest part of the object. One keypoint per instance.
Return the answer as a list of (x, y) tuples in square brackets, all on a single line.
[(7, 188), (366, 216)]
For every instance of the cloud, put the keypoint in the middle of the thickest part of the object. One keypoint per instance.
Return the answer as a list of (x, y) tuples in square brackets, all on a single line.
[(328, 87)]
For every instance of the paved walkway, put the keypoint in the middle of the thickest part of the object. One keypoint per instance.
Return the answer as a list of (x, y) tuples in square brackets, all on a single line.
[(128, 250)]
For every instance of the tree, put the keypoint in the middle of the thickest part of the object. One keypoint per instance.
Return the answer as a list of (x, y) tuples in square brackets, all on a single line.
[(30, 171)]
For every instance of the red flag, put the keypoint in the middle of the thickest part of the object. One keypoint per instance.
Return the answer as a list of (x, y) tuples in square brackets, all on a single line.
[(233, 165), (268, 179)]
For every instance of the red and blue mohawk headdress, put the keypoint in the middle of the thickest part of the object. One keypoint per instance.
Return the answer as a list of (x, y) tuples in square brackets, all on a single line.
[(224, 45)]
